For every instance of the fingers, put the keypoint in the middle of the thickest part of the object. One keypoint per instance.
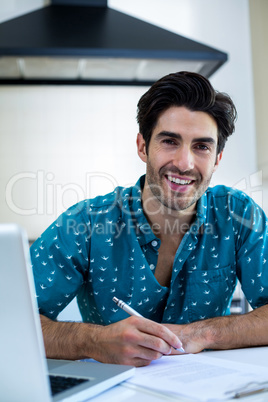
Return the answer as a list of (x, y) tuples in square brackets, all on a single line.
[(123, 343), (160, 335), (149, 346), (151, 340), (139, 355), (134, 341)]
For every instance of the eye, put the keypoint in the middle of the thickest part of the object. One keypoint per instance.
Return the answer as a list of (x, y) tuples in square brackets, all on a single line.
[(169, 141), (202, 147)]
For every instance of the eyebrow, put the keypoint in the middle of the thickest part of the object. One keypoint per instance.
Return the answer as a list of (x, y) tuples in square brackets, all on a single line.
[(177, 136)]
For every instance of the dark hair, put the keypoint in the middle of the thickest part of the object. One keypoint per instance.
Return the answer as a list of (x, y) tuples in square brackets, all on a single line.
[(192, 91)]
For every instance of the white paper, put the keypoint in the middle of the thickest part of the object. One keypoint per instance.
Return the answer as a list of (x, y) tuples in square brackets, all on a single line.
[(199, 377)]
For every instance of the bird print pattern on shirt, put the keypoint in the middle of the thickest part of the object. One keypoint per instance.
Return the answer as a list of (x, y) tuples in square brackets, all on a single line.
[(104, 247)]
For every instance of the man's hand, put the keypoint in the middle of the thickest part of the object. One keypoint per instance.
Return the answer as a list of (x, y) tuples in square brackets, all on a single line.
[(194, 337), (134, 341), (230, 332)]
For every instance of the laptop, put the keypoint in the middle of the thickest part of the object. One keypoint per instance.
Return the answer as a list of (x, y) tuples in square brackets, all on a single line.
[(24, 370)]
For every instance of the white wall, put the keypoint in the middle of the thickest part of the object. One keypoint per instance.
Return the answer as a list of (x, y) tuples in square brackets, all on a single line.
[(62, 135), (259, 29), (13, 8)]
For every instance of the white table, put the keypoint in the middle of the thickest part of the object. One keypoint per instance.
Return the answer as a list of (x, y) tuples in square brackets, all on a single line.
[(129, 393)]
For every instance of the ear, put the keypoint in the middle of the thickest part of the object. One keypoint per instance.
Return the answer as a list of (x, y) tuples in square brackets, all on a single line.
[(141, 147), (218, 159)]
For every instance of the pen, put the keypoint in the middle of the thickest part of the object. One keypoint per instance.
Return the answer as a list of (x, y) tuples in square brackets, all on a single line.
[(252, 388), (124, 306), (243, 394)]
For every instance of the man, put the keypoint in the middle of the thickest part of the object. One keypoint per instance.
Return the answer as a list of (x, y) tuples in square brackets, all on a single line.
[(170, 247)]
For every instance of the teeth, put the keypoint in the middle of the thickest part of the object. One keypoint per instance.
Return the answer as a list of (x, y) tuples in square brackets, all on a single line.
[(178, 181)]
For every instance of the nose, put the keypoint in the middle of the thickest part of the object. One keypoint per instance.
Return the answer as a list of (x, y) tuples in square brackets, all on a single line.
[(184, 159)]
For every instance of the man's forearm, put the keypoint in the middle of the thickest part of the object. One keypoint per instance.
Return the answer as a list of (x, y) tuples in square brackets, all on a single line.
[(67, 340), (228, 332)]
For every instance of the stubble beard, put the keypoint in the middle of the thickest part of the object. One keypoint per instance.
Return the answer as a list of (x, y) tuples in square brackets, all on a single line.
[(172, 200)]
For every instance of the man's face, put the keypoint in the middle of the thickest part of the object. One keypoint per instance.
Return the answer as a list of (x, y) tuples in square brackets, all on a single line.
[(181, 157)]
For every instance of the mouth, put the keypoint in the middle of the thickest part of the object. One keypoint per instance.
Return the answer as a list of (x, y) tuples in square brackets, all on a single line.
[(179, 181)]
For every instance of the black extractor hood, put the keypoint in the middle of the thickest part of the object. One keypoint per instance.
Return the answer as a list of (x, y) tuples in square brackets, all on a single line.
[(86, 42)]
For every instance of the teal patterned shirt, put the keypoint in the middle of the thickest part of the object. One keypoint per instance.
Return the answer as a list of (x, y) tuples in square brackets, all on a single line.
[(104, 247)]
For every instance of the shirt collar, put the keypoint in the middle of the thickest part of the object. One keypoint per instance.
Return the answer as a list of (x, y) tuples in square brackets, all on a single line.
[(201, 216), (132, 212), (201, 209)]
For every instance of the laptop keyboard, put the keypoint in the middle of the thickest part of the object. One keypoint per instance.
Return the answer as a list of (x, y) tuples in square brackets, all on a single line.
[(59, 383)]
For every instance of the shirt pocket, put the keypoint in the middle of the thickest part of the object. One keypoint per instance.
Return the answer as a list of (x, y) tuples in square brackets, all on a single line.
[(209, 292)]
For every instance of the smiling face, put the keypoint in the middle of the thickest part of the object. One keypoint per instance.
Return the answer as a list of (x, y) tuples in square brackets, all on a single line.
[(181, 157)]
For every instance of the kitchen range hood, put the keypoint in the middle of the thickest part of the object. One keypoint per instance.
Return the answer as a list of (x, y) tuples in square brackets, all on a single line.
[(86, 42)]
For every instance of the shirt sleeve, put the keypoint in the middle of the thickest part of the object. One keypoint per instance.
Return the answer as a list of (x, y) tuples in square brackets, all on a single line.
[(252, 254), (60, 259)]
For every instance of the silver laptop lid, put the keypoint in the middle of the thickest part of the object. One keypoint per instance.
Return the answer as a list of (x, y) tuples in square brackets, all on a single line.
[(23, 367)]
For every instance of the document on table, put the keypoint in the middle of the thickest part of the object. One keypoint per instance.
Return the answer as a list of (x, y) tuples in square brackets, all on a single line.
[(201, 378)]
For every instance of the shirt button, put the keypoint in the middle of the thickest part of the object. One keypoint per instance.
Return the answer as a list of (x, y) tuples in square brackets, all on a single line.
[(154, 243), (152, 267)]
